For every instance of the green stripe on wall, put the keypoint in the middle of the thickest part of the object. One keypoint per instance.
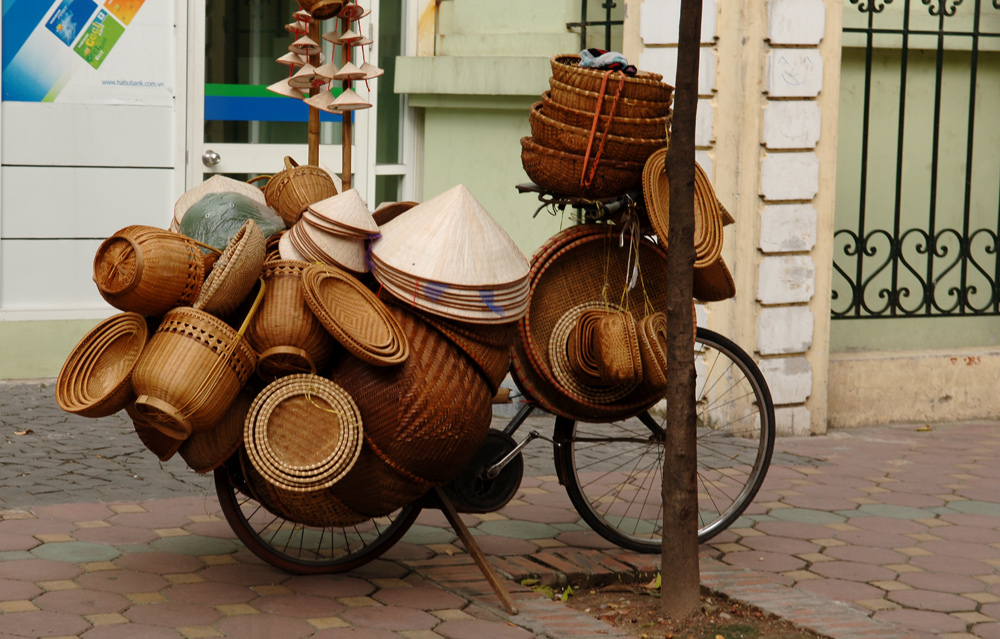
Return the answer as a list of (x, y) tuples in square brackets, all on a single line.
[(246, 91)]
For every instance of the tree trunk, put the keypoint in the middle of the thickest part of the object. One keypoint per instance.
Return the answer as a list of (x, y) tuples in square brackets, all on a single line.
[(679, 568)]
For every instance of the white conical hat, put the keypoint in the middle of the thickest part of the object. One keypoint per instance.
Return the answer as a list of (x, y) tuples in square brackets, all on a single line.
[(291, 60), (303, 16), (328, 70), (320, 101), (346, 209), (331, 249), (451, 238), (349, 72), (297, 28), (286, 89), (349, 100), (353, 11), (371, 71), (348, 36), (304, 78), (304, 46)]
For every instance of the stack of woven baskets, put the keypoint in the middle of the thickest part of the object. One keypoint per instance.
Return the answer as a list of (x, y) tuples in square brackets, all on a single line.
[(593, 130), (340, 404)]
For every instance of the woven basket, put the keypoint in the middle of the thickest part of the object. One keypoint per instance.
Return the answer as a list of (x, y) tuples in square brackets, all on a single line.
[(653, 344), (207, 450), (616, 345), (291, 191), (559, 172), (644, 86), (426, 417), (235, 273), (375, 487), (96, 378), (163, 446), (191, 371), (583, 100), (648, 128), (320, 508), (581, 387), (486, 345), (148, 270), (322, 9), (564, 137), (285, 331)]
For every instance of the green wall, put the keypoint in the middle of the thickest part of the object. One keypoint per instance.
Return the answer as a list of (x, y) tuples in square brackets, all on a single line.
[(37, 349)]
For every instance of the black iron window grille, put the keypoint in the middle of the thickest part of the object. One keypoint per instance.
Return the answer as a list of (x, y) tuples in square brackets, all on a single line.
[(924, 238), (608, 21)]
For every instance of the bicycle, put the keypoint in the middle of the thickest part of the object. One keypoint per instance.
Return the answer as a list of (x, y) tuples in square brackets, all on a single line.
[(611, 471)]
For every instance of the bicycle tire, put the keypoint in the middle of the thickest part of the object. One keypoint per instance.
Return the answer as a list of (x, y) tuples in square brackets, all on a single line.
[(300, 549), (611, 471)]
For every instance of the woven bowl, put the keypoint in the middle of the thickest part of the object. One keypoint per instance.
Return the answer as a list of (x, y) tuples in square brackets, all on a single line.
[(148, 270), (644, 86), (235, 273), (555, 135), (648, 128), (583, 100), (96, 378), (560, 172)]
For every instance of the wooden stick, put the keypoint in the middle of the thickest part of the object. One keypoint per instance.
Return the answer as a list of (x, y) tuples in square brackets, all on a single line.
[(314, 33), (477, 553), (345, 175)]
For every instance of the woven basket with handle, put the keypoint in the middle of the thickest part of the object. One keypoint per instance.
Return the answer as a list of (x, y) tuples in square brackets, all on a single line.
[(644, 85)]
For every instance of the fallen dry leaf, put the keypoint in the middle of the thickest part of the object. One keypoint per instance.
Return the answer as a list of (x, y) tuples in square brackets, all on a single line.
[(24, 432)]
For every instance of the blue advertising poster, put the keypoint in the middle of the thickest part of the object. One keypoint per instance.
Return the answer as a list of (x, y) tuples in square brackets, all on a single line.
[(68, 20)]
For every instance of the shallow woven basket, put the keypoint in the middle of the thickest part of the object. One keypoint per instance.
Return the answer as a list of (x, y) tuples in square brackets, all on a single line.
[(207, 450), (426, 417), (320, 508), (560, 172), (235, 273), (583, 100), (649, 128), (571, 269), (148, 270), (645, 85), (291, 191), (96, 378), (191, 371), (285, 331), (554, 134)]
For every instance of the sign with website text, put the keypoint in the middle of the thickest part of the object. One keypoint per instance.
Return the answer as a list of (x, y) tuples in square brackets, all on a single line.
[(88, 51)]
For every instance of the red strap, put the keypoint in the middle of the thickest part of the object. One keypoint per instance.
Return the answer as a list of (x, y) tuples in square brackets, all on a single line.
[(585, 179)]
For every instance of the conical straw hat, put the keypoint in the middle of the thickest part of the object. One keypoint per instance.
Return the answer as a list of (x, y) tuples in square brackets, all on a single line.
[(291, 60), (363, 42), (287, 251), (371, 71), (304, 46), (349, 100), (304, 77), (348, 36), (346, 209), (321, 100), (297, 27), (353, 11), (286, 89), (303, 16), (451, 238), (328, 70), (347, 253), (349, 72)]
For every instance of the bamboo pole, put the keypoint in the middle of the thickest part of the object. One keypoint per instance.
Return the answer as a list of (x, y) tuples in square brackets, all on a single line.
[(316, 36), (681, 596), (346, 142)]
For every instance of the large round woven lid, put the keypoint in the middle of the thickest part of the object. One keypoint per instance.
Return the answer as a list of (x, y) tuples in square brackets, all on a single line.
[(235, 272), (453, 239), (95, 380), (355, 316), (580, 265), (303, 433), (215, 184)]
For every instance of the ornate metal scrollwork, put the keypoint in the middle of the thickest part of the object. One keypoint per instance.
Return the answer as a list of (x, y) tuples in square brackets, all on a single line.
[(942, 8), (873, 6), (916, 274)]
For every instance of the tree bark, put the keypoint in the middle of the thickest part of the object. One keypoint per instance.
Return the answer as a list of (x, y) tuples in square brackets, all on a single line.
[(680, 576)]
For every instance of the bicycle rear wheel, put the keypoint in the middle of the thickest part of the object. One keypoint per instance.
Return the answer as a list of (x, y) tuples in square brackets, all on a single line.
[(300, 549), (612, 470)]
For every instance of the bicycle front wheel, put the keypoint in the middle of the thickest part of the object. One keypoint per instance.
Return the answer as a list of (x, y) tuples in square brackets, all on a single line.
[(301, 549), (612, 471)]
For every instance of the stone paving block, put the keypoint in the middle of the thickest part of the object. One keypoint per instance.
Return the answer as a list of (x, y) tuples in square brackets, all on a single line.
[(42, 624), (265, 627), (389, 618)]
